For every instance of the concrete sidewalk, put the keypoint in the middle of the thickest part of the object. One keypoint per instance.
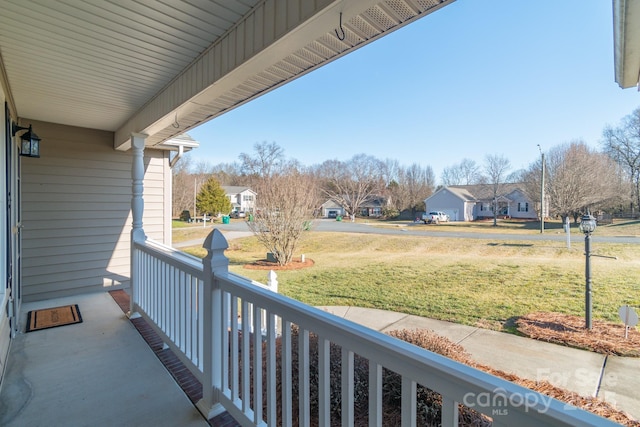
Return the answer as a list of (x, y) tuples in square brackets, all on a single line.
[(611, 378)]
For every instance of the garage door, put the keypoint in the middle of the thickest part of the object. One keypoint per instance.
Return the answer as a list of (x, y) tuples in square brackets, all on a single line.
[(453, 214)]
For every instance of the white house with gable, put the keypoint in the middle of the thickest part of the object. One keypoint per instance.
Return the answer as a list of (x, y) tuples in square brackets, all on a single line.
[(243, 199), (472, 202)]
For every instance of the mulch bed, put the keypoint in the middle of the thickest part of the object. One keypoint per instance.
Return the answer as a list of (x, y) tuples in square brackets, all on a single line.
[(295, 264), (433, 342), (588, 403), (429, 401), (603, 338)]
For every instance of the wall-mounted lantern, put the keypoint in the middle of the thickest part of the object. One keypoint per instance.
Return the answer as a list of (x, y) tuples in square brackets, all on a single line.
[(29, 141)]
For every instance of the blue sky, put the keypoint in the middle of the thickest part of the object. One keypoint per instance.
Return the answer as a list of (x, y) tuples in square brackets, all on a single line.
[(472, 79)]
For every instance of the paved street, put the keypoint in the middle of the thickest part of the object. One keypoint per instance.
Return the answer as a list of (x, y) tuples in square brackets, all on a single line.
[(238, 228)]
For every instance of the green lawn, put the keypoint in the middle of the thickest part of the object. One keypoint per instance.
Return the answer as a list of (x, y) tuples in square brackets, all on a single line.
[(470, 281)]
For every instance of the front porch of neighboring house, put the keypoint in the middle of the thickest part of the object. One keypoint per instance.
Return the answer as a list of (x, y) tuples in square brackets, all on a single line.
[(209, 321), (485, 208)]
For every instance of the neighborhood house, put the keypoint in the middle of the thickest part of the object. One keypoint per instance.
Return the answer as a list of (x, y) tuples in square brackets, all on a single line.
[(473, 202), (331, 209), (371, 207), (242, 199)]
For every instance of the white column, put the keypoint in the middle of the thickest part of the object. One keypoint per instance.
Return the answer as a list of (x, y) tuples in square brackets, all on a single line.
[(137, 208), (137, 177)]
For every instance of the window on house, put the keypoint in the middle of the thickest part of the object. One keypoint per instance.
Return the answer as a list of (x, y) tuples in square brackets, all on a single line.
[(523, 207), (247, 198)]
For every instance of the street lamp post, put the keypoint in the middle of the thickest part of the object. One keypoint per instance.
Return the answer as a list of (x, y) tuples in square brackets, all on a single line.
[(587, 226)]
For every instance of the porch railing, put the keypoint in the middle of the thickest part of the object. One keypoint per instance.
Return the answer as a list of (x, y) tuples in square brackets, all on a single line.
[(207, 316)]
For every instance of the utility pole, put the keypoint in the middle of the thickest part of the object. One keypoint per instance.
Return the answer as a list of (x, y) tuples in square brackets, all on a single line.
[(195, 192), (541, 191)]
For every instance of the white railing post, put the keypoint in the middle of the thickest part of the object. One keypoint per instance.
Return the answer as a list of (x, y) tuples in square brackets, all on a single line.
[(214, 263), (137, 209), (272, 284), (272, 281)]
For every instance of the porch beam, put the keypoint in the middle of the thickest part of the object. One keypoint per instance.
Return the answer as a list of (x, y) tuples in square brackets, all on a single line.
[(263, 38), (233, 58), (626, 40)]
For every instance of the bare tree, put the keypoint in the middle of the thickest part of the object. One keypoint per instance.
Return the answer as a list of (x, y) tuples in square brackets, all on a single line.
[(390, 169), (285, 204), (450, 176), (470, 171), (182, 196), (230, 174), (418, 184), (201, 168), (579, 179), (466, 172), (530, 180), (496, 170), (267, 159), (351, 183), (393, 192), (622, 144)]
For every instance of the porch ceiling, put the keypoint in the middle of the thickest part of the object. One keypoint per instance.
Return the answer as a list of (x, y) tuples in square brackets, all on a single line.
[(162, 68), (626, 28)]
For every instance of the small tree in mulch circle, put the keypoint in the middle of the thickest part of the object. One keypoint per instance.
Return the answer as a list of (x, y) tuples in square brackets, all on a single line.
[(285, 204)]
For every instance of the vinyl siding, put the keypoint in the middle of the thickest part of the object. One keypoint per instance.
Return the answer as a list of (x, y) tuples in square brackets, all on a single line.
[(76, 204), (5, 327), (445, 201), (519, 197)]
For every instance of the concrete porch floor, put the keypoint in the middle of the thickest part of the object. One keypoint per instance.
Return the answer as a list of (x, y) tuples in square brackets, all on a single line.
[(100, 372)]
